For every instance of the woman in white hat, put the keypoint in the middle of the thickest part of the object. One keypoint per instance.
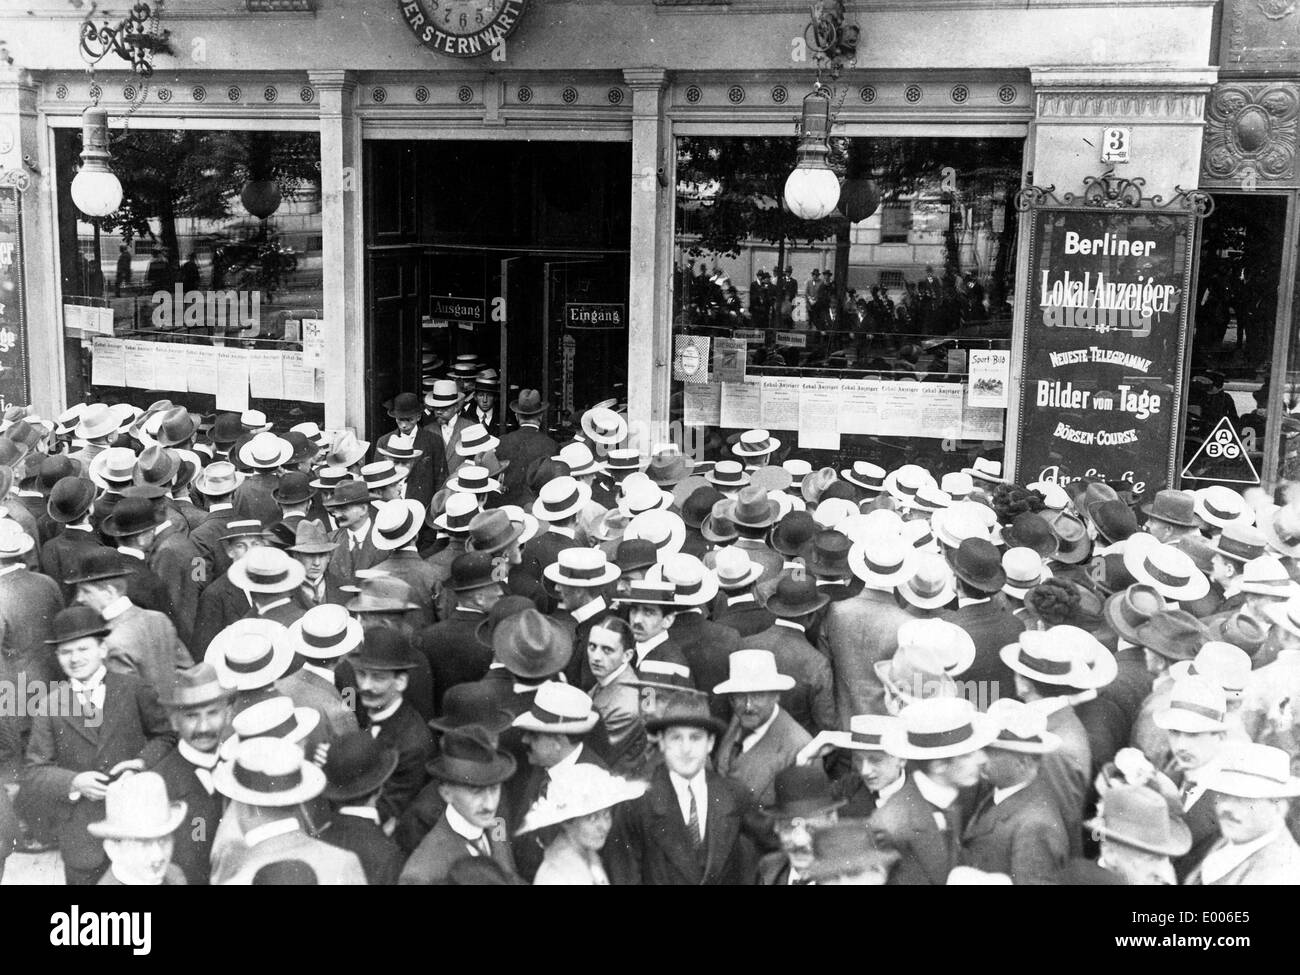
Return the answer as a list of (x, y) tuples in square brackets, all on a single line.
[(580, 801)]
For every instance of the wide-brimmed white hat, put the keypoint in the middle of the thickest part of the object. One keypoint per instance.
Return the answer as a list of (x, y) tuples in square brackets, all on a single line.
[(444, 393), (882, 561), (1196, 705), (579, 459), (136, 807), (1168, 570), (903, 483), (1222, 663), (14, 541), (1021, 728), (728, 475), (396, 523), (1221, 506), (381, 473), (324, 632), (267, 570), (958, 485), (1252, 771), (867, 732), (1054, 495), (602, 425), (1024, 569), (931, 583), (457, 513), (984, 469), (867, 476), (734, 568), (639, 494), (475, 440), (472, 479), (265, 451), (1063, 656), (939, 727), (961, 521), (247, 654), (753, 672), (274, 717), (951, 644), (755, 443), (561, 498), (529, 526), (268, 772), (695, 584), (586, 567), (665, 530), (558, 709), (113, 469), (577, 791)]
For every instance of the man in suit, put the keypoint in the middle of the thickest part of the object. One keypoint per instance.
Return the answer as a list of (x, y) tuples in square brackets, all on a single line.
[(139, 831), (140, 642), (446, 429), (320, 640), (470, 770), (455, 654), (264, 454), (1015, 828), (585, 581), (1252, 788), (356, 770), (706, 645), (651, 609), (199, 710), (265, 779), (983, 614), (553, 730), (615, 696), (797, 606), (175, 560), (738, 606), (804, 803), (693, 827), (133, 527), (876, 774), (216, 483), (558, 505), (397, 523), (69, 507), (406, 411), (761, 739), (521, 447), (104, 724), (349, 505), (945, 738), (312, 548), (222, 602), (382, 666)]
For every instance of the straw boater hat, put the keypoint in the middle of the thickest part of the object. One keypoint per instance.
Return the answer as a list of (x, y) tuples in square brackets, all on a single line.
[(14, 542), (867, 476), (728, 475), (903, 483), (942, 727), (558, 709), (734, 568), (1282, 530), (457, 514), (753, 672), (1021, 728), (957, 485), (1196, 705), (579, 459), (1168, 570), (603, 426), (755, 443), (639, 494), (113, 469), (1240, 543), (561, 498), (475, 440), (1222, 663), (381, 474), (136, 808), (267, 570), (694, 584), (1024, 568), (798, 470), (1063, 656), (445, 392), (271, 717), (324, 632), (881, 562), (1220, 506), (866, 733), (647, 592), (472, 479), (663, 529), (931, 583), (1054, 496), (269, 772), (1251, 771), (247, 655), (1136, 816), (266, 451), (577, 791), (1267, 576), (396, 523)]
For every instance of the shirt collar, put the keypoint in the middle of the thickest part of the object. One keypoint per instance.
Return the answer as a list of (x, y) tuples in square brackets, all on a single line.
[(643, 649), (1222, 860), (11, 568), (260, 834), (462, 608), (792, 625), (324, 673), (935, 793), (282, 601), (379, 717), (739, 600), (1002, 795), (115, 609), (220, 506), (91, 683), (83, 527), (564, 530), (755, 736), (133, 552), (612, 677), (964, 601), (462, 827), (680, 784), (887, 792), (207, 760), (587, 610), (361, 812)]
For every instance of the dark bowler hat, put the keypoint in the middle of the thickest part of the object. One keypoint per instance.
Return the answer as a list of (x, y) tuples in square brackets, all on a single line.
[(470, 756), (472, 570), (53, 470), (70, 499), (76, 622), (405, 406), (795, 597), (802, 790), (303, 446), (697, 507), (294, 488), (977, 563), (132, 516), (848, 847), (635, 553), (150, 492), (349, 492), (828, 555), (691, 711), (1173, 507), (1115, 520), (99, 564), (531, 645), (503, 608), (1031, 530), (472, 703), (226, 429), (383, 649), (793, 532), (357, 765)]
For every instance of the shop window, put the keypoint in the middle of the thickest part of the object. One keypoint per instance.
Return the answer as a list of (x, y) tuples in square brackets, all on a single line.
[(845, 348), (205, 287)]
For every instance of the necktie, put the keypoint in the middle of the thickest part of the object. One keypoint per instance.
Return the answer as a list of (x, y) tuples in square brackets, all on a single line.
[(693, 822), (87, 699), (482, 845), (546, 785)]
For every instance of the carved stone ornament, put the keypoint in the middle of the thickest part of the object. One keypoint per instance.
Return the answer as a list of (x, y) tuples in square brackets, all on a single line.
[(1259, 32), (1251, 129), (1276, 9)]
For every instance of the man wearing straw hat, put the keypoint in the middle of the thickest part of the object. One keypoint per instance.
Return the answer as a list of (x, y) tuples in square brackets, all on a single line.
[(651, 608), (585, 581), (396, 526), (761, 739), (558, 505), (217, 483), (444, 400), (320, 639), (270, 577), (138, 831), (706, 645)]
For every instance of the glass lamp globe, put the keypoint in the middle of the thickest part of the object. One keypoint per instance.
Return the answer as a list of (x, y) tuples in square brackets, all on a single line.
[(96, 193), (811, 193)]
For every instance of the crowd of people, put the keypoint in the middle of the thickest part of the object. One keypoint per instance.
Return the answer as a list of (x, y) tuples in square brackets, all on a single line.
[(233, 654)]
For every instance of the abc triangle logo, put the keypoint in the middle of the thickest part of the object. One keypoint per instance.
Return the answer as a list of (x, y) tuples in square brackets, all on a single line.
[(1223, 457)]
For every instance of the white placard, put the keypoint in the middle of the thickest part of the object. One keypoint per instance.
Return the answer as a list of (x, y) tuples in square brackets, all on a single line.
[(859, 406), (780, 404), (819, 414), (171, 366), (299, 380), (108, 362), (140, 364), (266, 374), (232, 379), (313, 342), (702, 405), (989, 378), (201, 368), (741, 405)]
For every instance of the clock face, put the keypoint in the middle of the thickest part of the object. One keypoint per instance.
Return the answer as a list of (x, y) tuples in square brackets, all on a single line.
[(462, 28)]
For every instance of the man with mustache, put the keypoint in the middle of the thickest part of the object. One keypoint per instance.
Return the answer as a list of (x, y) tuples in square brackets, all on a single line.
[(761, 739), (804, 804)]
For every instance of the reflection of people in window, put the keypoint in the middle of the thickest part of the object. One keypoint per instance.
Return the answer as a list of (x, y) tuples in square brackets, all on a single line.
[(158, 276), (190, 280), (123, 269)]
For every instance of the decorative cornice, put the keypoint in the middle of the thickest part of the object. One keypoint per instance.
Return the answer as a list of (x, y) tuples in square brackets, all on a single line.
[(1154, 95), (639, 78)]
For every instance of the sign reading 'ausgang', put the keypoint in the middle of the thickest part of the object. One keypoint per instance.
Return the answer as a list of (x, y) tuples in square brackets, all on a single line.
[(1105, 330), (462, 28), (458, 309)]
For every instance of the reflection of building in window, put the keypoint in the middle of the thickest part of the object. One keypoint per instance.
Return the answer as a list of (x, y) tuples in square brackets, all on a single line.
[(895, 223)]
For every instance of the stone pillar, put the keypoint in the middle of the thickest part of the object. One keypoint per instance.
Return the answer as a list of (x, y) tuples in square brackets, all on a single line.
[(649, 336), (342, 250)]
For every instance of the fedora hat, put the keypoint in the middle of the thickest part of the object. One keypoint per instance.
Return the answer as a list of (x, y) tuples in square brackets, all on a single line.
[(1221, 506), (475, 440), (954, 525), (268, 772), (356, 766), (404, 406), (457, 514), (156, 466), (346, 493), (295, 487), (1072, 543), (603, 426), (194, 687), (827, 555), (381, 474), (132, 516), (531, 645), (728, 475), (218, 479), (931, 583), (399, 448), (324, 632), (271, 717), (310, 538), (734, 569), (815, 484), (380, 594), (1282, 531), (175, 427), (528, 403), (689, 711), (950, 645), (1240, 542), (487, 381), (867, 476), (1195, 705), (136, 808), (247, 654), (693, 583), (469, 756), (503, 608), (75, 623), (97, 422), (752, 508), (755, 443), (561, 498), (794, 598), (1220, 662), (1174, 508), (1021, 728), (265, 451), (802, 791), (665, 530), (1170, 571), (473, 479), (472, 570), (699, 505), (1267, 576), (558, 709), (347, 450), (786, 503), (383, 649), (444, 393), (396, 523), (492, 531), (753, 672), (1114, 520), (70, 499), (1251, 771), (266, 570), (226, 429), (985, 469), (1137, 816), (1239, 630), (1024, 569), (977, 563), (940, 727), (771, 478), (668, 466), (916, 671), (793, 533), (577, 791), (113, 469), (1063, 656), (473, 703), (881, 561), (717, 529), (1173, 634), (649, 592), (1030, 530)]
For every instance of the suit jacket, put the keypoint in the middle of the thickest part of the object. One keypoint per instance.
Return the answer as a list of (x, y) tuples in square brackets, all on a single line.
[(1022, 837), (420, 482), (859, 801), (746, 618), (811, 702), (206, 537), (29, 602), (521, 447), (619, 705), (773, 562), (707, 647), (1275, 864), (1067, 772), (379, 856), (991, 626), (407, 732), (62, 555), (146, 589), (411, 569), (649, 845), (333, 865), (773, 870), (756, 769), (524, 790), (906, 823), (856, 634), (131, 725), (442, 847), (454, 653), (253, 498), (1201, 822), (442, 453), (220, 604), (308, 690), (177, 562), (192, 843), (344, 562), (145, 643), (191, 512), (545, 549)]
